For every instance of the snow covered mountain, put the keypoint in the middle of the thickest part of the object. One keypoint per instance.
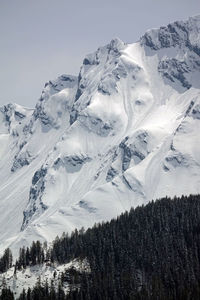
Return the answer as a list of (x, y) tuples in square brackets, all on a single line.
[(126, 131)]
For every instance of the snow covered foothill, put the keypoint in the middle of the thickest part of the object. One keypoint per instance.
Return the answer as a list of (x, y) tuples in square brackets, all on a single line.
[(124, 132)]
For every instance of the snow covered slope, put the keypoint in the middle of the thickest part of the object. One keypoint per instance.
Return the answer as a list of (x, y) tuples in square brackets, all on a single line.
[(126, 131), (45, 273)]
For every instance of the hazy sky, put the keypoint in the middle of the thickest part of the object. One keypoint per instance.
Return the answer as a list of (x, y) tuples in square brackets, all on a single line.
[(42, 39)]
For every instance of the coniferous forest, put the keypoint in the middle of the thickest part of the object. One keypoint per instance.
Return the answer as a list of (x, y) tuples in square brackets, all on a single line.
[(151, 252)]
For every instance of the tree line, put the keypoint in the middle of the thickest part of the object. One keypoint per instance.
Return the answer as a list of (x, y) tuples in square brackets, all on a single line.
[(6, 261), (151, 252)]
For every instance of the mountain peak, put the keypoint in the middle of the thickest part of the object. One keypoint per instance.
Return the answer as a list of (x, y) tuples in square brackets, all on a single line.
[(116, 44), (123, 133), (179, 33)]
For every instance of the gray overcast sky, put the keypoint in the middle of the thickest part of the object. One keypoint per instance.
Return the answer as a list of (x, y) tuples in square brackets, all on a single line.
[(42, 39)]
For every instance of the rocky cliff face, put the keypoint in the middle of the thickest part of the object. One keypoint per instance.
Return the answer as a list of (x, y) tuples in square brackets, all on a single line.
[(124, 132)]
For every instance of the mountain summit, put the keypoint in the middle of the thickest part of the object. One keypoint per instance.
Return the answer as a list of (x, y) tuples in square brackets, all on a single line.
[(124, 132)]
